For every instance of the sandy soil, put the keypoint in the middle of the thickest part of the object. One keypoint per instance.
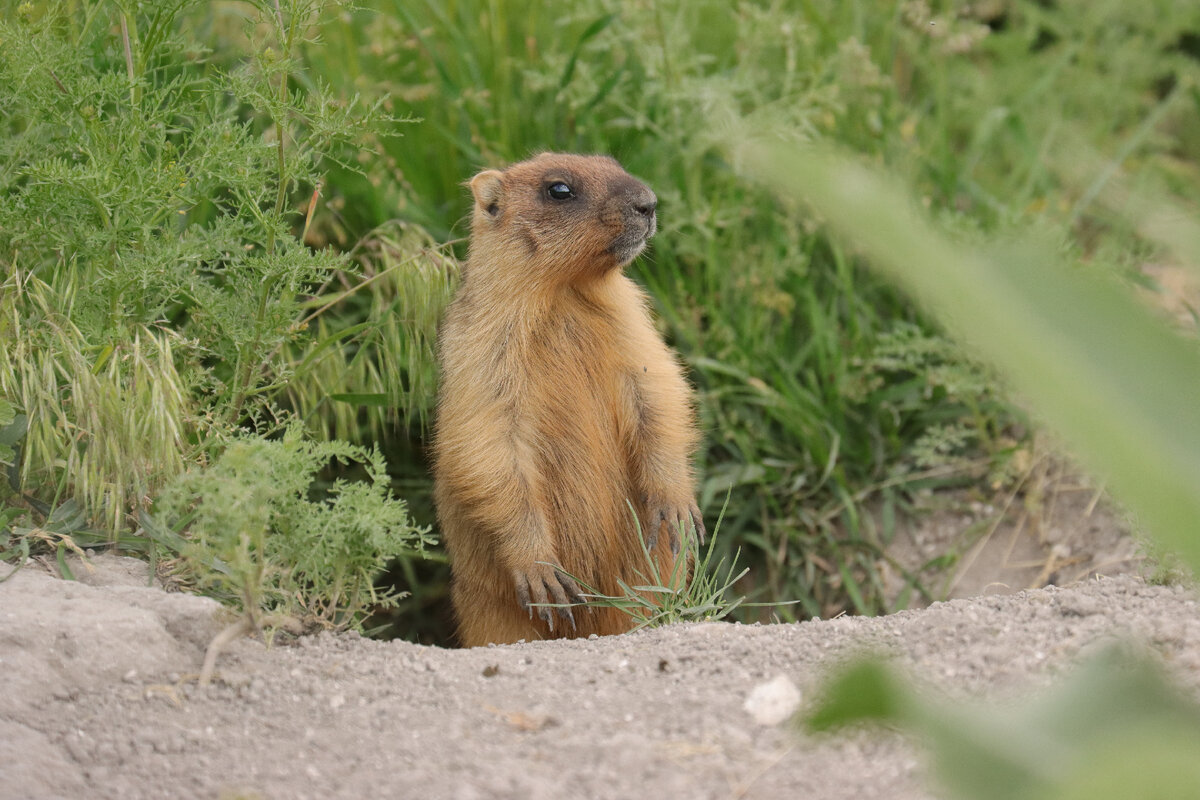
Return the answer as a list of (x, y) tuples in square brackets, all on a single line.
[(1067, 533), (99, 698)]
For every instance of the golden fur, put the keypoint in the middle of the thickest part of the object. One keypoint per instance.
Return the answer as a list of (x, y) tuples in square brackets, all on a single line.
[(558, 403)]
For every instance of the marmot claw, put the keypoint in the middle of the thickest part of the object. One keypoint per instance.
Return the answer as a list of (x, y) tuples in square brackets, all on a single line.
[(543, 584), (676, 517)]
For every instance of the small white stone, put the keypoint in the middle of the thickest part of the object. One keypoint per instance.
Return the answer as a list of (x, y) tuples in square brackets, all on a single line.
[(773, 702)]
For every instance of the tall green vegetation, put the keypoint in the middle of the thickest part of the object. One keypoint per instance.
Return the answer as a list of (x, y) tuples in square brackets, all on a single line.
[(156, 300), (827, 398), (168, 200)]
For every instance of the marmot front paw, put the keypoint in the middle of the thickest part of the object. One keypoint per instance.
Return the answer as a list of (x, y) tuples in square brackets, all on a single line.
[(676, 516), (542, 583)]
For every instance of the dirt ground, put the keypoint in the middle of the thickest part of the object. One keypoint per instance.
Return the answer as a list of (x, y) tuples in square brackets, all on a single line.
[(99, 695), (1059, 533)]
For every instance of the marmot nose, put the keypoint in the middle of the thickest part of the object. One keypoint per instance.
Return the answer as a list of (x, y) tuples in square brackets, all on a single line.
[(645, 204)]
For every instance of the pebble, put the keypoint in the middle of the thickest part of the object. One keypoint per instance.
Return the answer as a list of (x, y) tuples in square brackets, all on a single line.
[(774, 701)]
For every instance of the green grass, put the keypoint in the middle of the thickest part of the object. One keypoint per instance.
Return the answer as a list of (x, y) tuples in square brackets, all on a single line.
[(1100, 368), (827, 396), (696, 589)]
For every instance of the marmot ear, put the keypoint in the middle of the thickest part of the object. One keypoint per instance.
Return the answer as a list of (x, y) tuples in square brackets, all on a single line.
[(488, 188)]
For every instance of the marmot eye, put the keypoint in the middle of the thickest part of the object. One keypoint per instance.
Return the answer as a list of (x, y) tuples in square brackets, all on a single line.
[(559, 191)]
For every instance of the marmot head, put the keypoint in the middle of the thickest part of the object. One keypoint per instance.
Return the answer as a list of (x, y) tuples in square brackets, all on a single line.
[(561, 215)]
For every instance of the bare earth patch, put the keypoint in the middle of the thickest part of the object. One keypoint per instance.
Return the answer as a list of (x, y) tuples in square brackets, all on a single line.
[(99, 698), (1069, 533)]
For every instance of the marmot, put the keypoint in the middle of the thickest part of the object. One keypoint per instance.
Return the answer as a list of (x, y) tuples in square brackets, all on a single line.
[(559, 405)]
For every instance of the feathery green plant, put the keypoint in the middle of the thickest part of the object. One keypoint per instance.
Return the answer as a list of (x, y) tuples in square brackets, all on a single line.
[(154, 282), (279, 545), (157, 300)]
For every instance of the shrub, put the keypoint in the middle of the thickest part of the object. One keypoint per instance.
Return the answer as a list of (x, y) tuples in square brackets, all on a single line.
[(159, 306), (259, 538)]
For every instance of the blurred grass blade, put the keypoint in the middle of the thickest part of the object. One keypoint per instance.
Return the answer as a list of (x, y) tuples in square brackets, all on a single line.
[(863, 691), (16, 557), (1096, 364), (67, 518), (1131, 144), (375, 399), (176, 544), (593, 29), (60, 553), (1091, 736)]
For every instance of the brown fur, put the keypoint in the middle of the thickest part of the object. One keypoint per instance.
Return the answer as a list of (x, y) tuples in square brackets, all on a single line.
[(558, 404)]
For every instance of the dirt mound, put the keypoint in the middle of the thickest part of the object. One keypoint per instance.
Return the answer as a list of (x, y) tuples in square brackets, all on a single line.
[(99, 698)]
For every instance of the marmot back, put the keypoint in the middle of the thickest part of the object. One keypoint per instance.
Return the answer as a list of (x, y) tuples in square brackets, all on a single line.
[(559, 404)]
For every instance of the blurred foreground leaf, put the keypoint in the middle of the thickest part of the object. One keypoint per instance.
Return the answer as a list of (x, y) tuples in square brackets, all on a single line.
[(1096, 364), (1114, 729), (1122, 389)]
